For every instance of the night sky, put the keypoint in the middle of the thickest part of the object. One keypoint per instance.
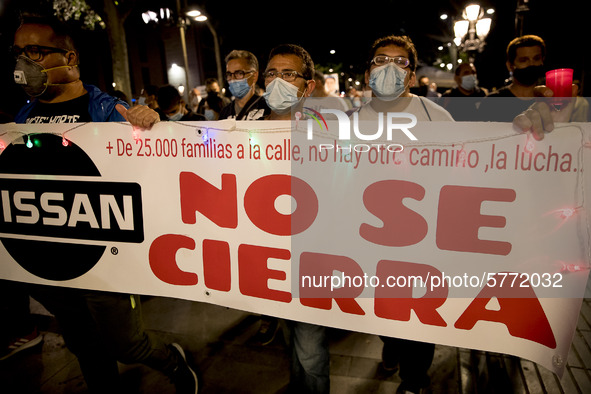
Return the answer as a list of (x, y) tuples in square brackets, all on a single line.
[(321, 26)]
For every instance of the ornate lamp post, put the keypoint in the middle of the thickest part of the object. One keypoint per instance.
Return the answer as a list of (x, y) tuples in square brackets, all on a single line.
[(166, 16), (471, 30)]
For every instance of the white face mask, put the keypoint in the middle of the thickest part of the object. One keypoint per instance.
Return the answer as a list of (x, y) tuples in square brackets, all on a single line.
[(469, 82), (387, 81), (177, 116), (281, 96)]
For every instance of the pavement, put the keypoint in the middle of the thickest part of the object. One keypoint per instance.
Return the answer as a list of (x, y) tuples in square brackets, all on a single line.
[(219, 341)]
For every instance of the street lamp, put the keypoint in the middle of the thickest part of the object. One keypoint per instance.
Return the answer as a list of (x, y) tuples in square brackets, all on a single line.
[(198, 16), (182, 23), (471, 31), (165, 16)]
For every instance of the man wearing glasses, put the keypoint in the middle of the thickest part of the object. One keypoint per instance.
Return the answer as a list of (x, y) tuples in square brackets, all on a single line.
[(100, 328), (47, 69), (390, 75), (289, 77), (242, 73)]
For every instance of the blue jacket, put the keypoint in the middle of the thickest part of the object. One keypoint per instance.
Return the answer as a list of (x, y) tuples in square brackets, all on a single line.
[(101, 107)]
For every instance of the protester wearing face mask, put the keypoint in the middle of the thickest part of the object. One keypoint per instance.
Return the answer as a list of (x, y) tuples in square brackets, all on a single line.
[(390, 75), (525, 62), (194, 99), (148, 97), (212, 107), (47, 69), (212, 104), (99, 327), (173, 107), (289, 78), (462, 102), (242, 73)]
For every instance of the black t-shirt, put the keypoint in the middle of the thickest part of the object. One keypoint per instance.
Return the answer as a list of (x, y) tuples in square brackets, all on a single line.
[(191, 116), (71, 111), (460, 106), (502, 106), (455, 92), (255, 109)]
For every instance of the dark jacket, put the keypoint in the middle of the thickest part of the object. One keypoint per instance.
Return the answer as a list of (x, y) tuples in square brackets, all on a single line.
[(101, 107)]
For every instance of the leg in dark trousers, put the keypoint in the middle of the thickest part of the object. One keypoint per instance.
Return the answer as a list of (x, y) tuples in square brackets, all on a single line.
[(414, 359), (101, 328), (14, 308), (310, 359), (18, 330)]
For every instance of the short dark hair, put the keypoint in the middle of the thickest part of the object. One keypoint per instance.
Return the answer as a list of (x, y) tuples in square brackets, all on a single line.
[(168, 97), (120, 95), (462, 65), (292, 49), (63, 34), (211, 81), (403, 42), (524, 41), (250, 58), (151, 90), (318, 76), (214, 102)]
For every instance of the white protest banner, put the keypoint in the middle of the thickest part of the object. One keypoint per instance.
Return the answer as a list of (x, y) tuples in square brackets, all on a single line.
[(471, 236)]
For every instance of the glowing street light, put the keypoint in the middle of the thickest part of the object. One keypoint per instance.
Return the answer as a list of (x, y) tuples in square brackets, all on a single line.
[(193, 13), (471, 31), (149, 16), (198, 16), (461, 29), (472, 12), (164, 13), (165, 16)]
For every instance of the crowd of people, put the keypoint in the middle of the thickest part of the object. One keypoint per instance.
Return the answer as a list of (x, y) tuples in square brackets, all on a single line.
[(467, 101), (101, 328)]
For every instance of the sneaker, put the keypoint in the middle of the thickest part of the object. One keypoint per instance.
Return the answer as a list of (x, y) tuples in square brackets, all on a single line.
[(267, 330), (183, 377), (18, 344), (385, 369)]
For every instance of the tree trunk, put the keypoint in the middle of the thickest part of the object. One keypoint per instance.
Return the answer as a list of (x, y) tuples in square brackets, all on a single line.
[(118, 42)]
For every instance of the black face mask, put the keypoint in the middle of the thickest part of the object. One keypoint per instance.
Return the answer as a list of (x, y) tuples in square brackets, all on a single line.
[(528, 76)]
